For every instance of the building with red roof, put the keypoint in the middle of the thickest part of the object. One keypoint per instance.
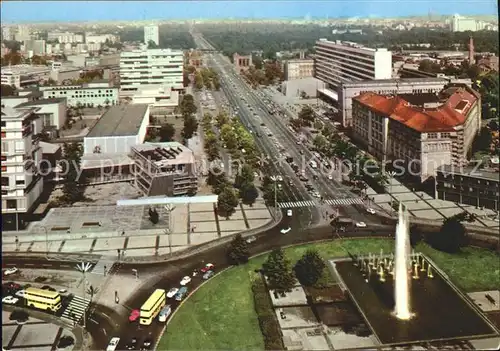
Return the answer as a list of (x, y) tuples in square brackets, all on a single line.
[(420, 131)]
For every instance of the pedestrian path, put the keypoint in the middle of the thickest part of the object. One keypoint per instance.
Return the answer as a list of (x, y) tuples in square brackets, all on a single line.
[(105, 264), (75, 309), (310, 203)]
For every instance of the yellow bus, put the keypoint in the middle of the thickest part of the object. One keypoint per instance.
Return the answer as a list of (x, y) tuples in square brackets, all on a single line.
[(42, 299), (152, 306)]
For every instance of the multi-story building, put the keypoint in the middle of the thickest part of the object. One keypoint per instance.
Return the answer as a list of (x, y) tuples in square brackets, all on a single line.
[(164, 169), (463, 24), (22, 184), (23, 33), (156, 96), (99, 38), (468, 185), (90, 94), (65, 37), (52, 112), (36, 47), (25, 75), (11, 78), (298, 69), (151, 67), (347, 91), (152, 33), (418, 135)]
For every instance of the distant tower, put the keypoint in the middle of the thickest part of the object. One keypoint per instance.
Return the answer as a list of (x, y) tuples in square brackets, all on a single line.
[(471, 50)]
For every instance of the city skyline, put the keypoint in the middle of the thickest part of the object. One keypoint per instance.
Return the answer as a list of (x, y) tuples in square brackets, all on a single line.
[(58, 11)]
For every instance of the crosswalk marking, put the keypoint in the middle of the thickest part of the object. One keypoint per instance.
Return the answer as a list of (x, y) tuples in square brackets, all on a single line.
[(75, 309), (333, 202)]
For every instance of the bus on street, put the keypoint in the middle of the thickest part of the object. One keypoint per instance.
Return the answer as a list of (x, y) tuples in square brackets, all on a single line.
[(42, 299), (152, 306)]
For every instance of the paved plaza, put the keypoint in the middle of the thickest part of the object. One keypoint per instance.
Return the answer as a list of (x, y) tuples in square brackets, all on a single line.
[(421, 205), (35, 335), (104, 230)]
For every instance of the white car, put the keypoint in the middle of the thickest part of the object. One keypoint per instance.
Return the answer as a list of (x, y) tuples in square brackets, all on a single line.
[(10, 300), (185, 280), (330, 177), (251, 239), (316, 194), (285, 230), (171, 293), (20, 293), (10, 271), (289, 213), (113, 343), (360, 224), (370, 210), (280, 178)]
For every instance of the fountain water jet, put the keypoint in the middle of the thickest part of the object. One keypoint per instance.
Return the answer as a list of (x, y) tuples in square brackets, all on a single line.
[(402, 265)]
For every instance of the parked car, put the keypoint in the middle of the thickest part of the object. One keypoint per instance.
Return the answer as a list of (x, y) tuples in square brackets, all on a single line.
[(208, 267), (113, 343), (208, 275), (360, 224), (370, 210), (285, 230), (185, 280), (10, 300), (134, 315), (181, 293), (10, 271), (171, 293)]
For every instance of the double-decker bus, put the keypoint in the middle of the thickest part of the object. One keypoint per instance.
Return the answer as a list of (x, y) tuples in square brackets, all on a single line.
[(152, 306), (42, 299)]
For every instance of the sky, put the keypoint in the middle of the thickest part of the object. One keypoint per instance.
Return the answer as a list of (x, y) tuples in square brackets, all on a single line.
[(67, 11)]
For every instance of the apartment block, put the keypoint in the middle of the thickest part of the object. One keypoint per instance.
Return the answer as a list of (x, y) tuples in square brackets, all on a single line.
[(99, 38), (468, 185), (152, 33), (298, 69), (91, 94), (164, 169), (52, 112), (22, 184), (421, 132), (151, 67)]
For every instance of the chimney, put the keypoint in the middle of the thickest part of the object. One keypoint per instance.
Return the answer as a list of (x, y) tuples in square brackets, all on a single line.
[(471, 51)]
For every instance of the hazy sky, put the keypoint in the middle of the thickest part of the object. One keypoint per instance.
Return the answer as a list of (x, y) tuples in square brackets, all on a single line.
[(28, 11)]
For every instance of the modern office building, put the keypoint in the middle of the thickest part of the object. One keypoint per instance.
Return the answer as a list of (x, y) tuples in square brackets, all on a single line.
[(151, 67), (65, 37), (421, 131), (347, 91), (90, 94), (164, 169), (156, 96), (463, 24), (298, 69), (468, 185), (152, 33), (22, 184)]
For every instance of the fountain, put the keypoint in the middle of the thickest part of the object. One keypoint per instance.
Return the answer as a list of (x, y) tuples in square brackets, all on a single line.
[(402, 264)]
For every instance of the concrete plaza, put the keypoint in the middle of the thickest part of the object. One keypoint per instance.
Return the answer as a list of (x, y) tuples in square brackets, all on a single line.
[(103, 230)]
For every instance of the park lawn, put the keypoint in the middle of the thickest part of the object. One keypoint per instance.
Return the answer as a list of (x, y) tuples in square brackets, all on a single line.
[(221, 315)]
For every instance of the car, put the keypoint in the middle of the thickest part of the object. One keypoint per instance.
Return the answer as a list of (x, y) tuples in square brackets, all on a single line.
[(185, 280), (208, 267), (171, 293), (134, 315), (316, 194), (330, 177), (280, 178), (289, 213), (10, 300), (208, 275), (147, 344), (360, 224), (10, 271), (63, 291), (132, 344), (370, 210), (49, 288), (285, 230), (251, 239), (164, 313), (20, 293), (181, 293), (113, 343)]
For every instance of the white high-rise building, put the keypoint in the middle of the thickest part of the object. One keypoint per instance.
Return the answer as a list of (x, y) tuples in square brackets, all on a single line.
[(151, 33), (22, 183), (463, 24), (151, 67)]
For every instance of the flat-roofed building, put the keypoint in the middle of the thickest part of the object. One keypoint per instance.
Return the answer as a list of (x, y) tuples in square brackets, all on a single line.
[(156, 96), (85, 95), (298, 69), (420, 135), (164, 169), (468, 185), (118, 129), (22, 183), (52, 112)]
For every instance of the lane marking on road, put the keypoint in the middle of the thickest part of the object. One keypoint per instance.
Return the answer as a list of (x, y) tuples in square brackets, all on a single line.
[(65, 265), (29, 264)]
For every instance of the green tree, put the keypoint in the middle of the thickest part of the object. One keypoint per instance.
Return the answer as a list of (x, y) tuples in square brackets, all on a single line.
[(429, 66), (73, 189), (246, 175), (451, 237), (278, 271), (198, 81), (248, 194), (190, 127), (152, 45), (238, 252), (167, 132), (217, 180), (270, 192), (211, 145), (306, 115), (221, 119), (187, 105), (227, 202), (309, 268), (228, 137), (320, 142)]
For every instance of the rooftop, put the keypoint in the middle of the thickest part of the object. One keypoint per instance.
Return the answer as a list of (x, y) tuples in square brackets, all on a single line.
[(42, 102), (469, 172), (165, 154), (120, 121), (452, 113)]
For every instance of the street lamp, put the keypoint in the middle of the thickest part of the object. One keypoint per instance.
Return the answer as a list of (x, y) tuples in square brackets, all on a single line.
[(83, 268)]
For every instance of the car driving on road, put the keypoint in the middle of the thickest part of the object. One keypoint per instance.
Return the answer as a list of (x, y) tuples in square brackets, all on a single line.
[(10, 271), (185, 280), (171, 293)]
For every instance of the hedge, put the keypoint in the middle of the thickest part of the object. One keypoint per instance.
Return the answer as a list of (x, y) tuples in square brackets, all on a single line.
[(268, 322)]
